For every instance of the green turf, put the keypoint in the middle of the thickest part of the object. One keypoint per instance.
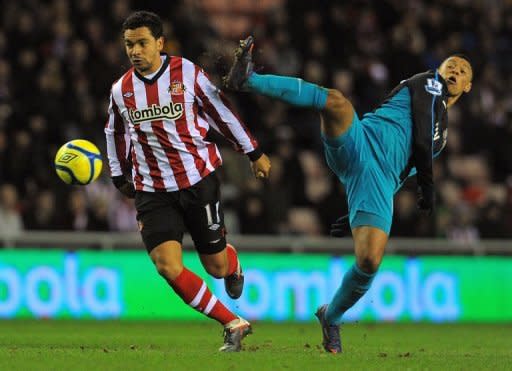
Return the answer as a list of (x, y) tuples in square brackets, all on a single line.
[(111, 345)]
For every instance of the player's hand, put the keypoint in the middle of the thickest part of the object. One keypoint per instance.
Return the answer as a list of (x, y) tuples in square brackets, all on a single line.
[(341, 227), (261, 167), (426, 199), (124, 186)]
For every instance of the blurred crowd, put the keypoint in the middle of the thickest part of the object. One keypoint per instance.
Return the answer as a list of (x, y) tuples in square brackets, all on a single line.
[(58, 59)]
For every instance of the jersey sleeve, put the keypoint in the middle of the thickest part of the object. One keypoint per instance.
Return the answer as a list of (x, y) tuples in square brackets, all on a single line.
[(118, 140), (424, 93), (222, 116)]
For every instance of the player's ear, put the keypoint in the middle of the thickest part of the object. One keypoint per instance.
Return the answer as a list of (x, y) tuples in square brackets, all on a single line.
[(160, 43), (467, 88)]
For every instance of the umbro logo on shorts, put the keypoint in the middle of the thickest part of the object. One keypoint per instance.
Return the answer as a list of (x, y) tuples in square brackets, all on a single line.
[(214, 227)]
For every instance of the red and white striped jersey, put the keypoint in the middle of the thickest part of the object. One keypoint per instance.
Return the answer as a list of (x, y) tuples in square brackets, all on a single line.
[(166, 119)]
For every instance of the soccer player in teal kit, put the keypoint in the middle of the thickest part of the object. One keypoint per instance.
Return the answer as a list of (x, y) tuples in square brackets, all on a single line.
[(372, 157)]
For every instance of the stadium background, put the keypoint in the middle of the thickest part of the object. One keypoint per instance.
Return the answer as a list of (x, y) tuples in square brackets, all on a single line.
[(57, 62), (59, 58), (74, 252)]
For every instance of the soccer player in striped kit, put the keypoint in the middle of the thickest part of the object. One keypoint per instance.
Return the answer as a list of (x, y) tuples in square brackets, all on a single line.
[(160, 113), (371, 156)]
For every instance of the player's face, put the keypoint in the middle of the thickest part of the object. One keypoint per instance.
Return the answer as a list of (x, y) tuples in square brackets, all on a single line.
[(143, 49), (458, 74)]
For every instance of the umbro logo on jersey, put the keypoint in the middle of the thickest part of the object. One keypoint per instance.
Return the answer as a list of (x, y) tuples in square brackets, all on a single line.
[(128, 94), (171, 111)]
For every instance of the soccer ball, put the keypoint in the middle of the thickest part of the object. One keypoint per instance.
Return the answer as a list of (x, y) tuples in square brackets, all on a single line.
[(78, 162)]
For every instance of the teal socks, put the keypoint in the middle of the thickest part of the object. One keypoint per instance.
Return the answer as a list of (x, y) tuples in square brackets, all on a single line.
[(354, 285), (289, 89)]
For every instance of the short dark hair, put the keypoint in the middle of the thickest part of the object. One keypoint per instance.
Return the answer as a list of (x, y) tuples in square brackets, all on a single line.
[(462, 56), (143, 18)]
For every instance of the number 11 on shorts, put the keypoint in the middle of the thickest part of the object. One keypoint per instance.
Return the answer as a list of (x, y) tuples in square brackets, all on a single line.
[(212, 216)]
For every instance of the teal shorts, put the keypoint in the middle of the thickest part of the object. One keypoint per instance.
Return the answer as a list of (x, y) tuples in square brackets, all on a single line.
[(369, 158)]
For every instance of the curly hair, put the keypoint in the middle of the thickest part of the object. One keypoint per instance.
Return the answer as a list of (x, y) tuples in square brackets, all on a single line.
[(144, 18)]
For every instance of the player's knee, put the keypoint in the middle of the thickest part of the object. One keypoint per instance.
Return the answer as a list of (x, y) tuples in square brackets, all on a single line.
[(337, 115), (168, 269), (369, 263), (337, 104), (216, 269)]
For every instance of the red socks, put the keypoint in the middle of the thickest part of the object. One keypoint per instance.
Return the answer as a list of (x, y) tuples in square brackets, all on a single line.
[(232, 259), (194, 292)]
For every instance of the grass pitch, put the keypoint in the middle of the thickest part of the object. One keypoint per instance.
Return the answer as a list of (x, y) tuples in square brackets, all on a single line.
[(116, 345)]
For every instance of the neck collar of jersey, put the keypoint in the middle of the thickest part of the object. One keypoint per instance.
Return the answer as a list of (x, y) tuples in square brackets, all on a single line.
[(163, 67), (441, 80)]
